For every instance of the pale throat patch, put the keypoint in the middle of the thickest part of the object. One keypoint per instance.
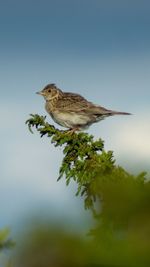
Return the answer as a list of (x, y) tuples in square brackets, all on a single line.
[(55, 96)]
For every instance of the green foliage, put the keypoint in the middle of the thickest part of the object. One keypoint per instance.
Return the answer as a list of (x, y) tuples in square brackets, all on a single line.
[(119, 200), (50, 246), (6, 244), (5, 241), (83, 159)]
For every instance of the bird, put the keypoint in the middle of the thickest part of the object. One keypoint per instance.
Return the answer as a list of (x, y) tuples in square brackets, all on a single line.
[(72, 110)]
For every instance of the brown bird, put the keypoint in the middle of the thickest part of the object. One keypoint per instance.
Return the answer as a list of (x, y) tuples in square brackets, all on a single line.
[(73, 111)]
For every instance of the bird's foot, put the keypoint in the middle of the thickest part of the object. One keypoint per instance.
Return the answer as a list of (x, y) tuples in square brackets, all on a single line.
[(72, 130)]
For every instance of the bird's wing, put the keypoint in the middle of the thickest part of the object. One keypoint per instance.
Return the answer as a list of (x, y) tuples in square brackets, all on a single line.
[(71, 102), (76, 103)]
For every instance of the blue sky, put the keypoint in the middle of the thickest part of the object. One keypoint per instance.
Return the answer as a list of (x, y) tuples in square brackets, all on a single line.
[(100, 49)]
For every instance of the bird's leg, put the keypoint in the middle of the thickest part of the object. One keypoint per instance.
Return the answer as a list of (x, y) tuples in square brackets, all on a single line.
[(72, 130)]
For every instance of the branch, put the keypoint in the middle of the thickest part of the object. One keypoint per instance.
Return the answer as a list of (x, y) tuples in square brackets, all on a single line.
[(83, 159), (88, 164)]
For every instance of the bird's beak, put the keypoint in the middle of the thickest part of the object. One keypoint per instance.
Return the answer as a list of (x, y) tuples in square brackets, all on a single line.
[(40, 93)]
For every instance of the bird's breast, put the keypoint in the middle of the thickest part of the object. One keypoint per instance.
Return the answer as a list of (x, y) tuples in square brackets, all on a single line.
[(50, 106), (69, 119)]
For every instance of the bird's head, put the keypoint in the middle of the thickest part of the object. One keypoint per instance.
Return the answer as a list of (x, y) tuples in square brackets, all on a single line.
[(50, 92)]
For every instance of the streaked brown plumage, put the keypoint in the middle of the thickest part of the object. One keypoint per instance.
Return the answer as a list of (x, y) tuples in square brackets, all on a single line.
[(72, 110)]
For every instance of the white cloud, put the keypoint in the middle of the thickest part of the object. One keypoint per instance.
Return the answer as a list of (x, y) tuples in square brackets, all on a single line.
[(128, 137), (134, 140)]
